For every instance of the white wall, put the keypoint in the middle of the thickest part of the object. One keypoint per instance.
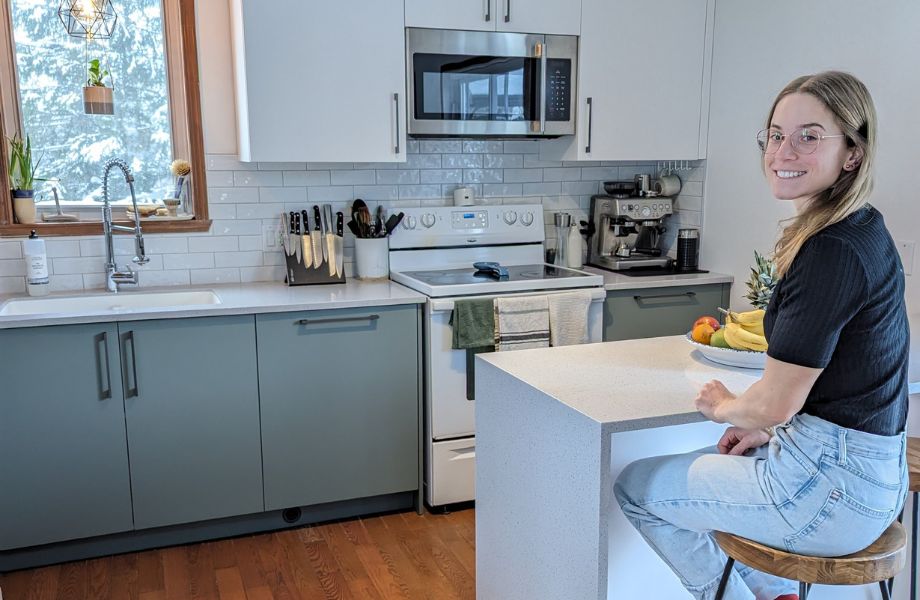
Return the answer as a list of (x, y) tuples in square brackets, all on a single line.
[(879, 42)]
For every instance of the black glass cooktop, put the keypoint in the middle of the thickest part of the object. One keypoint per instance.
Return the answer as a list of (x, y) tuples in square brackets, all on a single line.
[(515, 273)]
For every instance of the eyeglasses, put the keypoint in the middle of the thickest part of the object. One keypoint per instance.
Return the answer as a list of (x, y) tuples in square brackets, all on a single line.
[(804, 141)]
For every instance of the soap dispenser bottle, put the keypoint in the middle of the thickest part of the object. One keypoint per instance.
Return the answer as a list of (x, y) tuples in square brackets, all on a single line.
[(37, 281)]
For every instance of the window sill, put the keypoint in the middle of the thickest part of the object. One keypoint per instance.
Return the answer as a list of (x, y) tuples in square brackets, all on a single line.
[(95, 228)]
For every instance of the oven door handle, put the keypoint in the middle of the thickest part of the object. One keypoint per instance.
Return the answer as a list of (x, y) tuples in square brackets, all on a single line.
[(447, 304)]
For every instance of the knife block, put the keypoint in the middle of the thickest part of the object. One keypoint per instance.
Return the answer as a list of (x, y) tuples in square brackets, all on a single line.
[(297, 273)]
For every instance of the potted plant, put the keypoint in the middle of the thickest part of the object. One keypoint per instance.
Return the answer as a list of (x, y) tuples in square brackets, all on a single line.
[(22, 179), (97, 96)]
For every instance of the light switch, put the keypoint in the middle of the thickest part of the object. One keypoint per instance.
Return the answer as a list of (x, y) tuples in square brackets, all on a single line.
[(906, 250), (271, 237)]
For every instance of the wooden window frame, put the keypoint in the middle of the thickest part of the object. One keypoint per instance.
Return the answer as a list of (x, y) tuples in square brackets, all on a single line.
[(185, 115)]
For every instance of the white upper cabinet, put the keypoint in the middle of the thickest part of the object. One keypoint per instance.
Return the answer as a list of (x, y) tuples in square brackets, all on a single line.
[(470, 15), (320, 81), (539, 16), (560, 17), (643, 81)]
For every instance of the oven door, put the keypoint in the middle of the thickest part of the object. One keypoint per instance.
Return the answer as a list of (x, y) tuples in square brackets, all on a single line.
[(450, 412), (490, 84)]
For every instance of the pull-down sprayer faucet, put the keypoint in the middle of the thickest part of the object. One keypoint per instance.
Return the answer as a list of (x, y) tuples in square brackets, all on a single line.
[(114, 277)]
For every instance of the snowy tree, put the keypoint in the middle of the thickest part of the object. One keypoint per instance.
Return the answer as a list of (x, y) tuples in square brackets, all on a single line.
[(52, 69)]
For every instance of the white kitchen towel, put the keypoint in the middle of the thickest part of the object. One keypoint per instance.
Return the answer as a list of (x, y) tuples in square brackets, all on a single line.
[(521, 322), (568, 318)]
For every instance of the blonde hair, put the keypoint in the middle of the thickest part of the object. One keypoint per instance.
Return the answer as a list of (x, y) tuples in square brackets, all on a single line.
[(849, 101)]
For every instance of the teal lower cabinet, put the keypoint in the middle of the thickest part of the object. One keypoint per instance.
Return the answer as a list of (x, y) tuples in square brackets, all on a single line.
[(63, 453), (339, 403), (192, 414), (654, 312)]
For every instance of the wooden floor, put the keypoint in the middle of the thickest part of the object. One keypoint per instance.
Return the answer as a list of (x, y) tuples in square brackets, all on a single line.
[(392, 556)]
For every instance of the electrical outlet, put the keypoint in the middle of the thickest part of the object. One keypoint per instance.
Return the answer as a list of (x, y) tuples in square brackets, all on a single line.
[(906, 250), (271, 237)]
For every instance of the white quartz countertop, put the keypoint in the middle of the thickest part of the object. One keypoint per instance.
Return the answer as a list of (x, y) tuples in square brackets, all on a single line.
[(635, 384), (618, 281), (236, 299)]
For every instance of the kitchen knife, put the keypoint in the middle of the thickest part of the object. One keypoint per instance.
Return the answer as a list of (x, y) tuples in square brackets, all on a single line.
[(330, 238), (291, 235), (316, 238), (285, 225), (339, 243), (305, 240), (298, 248)]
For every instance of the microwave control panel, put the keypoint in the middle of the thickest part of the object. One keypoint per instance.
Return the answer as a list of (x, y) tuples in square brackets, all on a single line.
[(558, 89)]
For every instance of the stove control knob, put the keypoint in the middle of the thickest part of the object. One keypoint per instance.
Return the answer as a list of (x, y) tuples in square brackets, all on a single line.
[(527, 219), (428, 219), (646, 211), (510, 217), (409, 223)]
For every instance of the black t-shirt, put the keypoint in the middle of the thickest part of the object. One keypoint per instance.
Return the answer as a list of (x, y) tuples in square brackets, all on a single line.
[(841, 307)]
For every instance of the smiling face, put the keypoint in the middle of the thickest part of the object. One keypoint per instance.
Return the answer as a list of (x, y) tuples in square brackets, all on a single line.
[(797, 176)]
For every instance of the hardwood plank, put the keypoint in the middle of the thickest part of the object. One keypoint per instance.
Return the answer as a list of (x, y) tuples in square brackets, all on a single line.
[(124, 577), (345, 552), (150, 571), (287, 581), (176, 579), (261, 592), (202, 583), (98, 579), (72, 582), (154, 595), (230, 584)]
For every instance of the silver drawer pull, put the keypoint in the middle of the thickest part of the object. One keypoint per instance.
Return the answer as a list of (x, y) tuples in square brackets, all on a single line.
[(102, 360), (687, 294), (336, 320)]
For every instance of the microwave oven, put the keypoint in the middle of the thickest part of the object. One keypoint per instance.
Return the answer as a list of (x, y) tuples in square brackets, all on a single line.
[(490, 84)]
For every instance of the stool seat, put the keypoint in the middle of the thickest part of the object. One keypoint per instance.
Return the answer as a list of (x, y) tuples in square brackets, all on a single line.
[(913, 463), (884, 558)]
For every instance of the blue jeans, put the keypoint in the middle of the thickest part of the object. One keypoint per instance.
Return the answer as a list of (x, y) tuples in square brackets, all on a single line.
[(816, 489)]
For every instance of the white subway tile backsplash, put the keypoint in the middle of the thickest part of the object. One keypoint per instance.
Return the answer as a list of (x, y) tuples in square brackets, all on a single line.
[(204, 260), (354, 177), (306, 178), (214, 276), (246, 198), (256, 178), (238, 259)]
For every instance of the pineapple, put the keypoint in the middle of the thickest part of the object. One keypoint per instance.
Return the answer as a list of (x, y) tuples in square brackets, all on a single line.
[(762, 281)]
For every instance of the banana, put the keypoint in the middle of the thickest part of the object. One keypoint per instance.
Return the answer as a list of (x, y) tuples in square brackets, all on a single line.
[(741, 339), (751, 320)]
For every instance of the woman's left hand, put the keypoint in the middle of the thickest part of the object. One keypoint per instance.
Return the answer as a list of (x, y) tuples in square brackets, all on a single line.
[(711, 396)]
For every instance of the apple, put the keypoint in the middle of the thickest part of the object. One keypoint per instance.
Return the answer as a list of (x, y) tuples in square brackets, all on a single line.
[(711, 321)]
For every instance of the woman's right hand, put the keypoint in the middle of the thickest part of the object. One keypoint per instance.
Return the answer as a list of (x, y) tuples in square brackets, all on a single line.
[(736, 440)]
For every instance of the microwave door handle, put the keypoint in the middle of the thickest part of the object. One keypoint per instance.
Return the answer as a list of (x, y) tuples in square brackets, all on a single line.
[(541, 49), (488, 12)]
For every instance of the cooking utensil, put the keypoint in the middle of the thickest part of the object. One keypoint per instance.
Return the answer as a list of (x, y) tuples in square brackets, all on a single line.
[(305, 240), (380, 221), (354, 227), (330, 238), (290, 234), (392, 222), (339, 245), (298, 248), (285, 225), (316, 238)]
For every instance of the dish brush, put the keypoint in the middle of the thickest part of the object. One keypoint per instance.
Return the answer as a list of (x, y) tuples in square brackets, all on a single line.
[(180, 168)]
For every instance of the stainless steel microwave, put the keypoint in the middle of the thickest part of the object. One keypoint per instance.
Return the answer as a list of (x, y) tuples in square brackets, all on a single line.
[(480, 83)]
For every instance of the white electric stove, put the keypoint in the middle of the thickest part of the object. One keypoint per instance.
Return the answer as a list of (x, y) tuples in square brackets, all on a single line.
[(433, 252)]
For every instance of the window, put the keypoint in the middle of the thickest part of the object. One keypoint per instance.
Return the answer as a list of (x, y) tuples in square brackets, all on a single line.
[(151, 58)]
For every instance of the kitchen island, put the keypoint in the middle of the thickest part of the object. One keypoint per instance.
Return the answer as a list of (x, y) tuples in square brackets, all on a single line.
[(555, 427)]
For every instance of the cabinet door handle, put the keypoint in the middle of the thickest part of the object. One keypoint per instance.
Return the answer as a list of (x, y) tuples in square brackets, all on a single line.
[(336, 320), (102, 361), (590, 118), (507, 11), (130, 392), (488, 12), (396, 114), (681, 295)]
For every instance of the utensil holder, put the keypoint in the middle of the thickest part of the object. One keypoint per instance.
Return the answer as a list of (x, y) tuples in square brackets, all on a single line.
[(298, 273), (372, 258)]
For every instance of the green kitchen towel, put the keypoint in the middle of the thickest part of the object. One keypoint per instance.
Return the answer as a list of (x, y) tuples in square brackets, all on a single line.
[(473, 323)]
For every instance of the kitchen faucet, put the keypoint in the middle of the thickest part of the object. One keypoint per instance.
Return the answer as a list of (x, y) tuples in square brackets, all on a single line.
[(114, 277)]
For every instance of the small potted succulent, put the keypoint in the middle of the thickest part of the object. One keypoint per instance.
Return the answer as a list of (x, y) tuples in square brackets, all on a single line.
[(22, 179), (97, 96)]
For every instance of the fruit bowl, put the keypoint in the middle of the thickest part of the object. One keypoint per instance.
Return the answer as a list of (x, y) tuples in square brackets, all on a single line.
[(747, 359)]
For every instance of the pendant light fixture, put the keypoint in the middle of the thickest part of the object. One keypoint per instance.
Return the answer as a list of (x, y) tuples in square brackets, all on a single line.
[(90, 19)]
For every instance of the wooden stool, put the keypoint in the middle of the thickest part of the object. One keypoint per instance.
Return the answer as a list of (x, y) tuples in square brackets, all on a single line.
[(913, 467), (876, 564)]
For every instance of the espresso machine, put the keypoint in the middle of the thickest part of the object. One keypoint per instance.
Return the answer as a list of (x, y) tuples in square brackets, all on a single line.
[(626, 231)]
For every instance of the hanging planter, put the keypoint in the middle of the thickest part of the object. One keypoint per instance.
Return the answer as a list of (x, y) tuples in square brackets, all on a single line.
[(98, 98)]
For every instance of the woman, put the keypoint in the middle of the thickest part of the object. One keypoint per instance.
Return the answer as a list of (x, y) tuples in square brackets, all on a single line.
[(832, 475)]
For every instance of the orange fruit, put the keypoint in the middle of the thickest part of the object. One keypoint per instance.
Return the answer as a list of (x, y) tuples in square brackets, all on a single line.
[(702, 333)]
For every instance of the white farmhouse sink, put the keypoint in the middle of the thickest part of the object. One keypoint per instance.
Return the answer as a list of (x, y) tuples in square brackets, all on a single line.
[(110, 302)]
